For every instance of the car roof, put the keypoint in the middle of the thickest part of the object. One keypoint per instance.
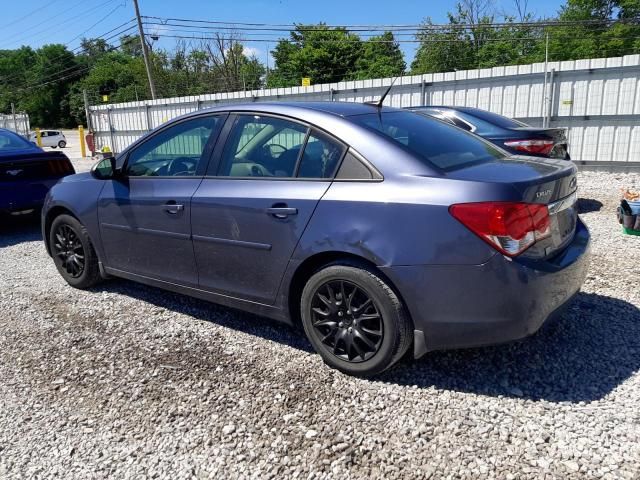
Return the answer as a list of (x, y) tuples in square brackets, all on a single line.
[(342, 109)]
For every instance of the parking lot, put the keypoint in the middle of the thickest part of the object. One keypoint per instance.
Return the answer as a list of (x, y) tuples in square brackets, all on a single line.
[(129, 381)]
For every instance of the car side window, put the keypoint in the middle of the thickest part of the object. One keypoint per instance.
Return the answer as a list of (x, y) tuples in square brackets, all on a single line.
[(262, 146), (459, 123), (321, 156), (174, 152)]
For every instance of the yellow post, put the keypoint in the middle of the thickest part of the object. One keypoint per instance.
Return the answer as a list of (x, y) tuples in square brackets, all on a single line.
[(38, 137), (83, 148)]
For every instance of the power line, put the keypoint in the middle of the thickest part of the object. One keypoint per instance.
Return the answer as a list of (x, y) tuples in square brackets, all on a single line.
[(391, 27), (45, 32), (97, 23), (26, 15), (104, 37)]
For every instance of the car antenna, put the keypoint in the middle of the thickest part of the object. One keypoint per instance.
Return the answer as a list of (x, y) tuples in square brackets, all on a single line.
[(378, 103)]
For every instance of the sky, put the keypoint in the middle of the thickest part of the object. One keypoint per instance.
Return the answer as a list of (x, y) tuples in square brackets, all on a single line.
[(37, 22)]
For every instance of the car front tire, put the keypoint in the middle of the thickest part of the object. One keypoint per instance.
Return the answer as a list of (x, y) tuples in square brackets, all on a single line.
[(73, 252), (354, 320), (61, 144)]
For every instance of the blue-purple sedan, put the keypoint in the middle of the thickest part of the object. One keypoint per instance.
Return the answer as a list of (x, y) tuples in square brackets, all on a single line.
[(379, 230)]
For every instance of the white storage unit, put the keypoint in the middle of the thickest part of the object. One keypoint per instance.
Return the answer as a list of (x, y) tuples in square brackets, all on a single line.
[(597, 100), (18, 123)]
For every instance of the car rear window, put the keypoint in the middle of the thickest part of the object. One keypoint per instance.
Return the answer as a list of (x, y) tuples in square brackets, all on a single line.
[(492, 118), (11, 141), (442, 145)]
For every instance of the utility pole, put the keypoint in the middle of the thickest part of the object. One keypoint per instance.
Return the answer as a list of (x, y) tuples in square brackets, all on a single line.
[(87, 112), (145, 52), (15, 122)]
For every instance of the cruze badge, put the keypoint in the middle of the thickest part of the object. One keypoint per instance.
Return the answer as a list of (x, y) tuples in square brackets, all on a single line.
[(543, 193), (14, 173)]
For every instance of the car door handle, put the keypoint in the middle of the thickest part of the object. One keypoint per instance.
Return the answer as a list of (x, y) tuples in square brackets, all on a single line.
[(282, 212), (173, 208)]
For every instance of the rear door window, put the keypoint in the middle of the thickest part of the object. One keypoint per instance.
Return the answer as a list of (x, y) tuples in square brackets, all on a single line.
[(434, 142), (321, 156), (263, 146)]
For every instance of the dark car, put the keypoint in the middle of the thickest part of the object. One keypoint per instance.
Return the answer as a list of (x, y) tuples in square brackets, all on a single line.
[(375, 228), (515, 137), (27, 173)]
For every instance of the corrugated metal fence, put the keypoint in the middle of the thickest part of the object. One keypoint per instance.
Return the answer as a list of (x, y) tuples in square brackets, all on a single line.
[(18, 123), (597, 100)]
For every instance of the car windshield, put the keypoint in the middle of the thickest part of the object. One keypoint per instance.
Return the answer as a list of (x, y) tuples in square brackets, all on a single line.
[(10, 141), (431, 140)]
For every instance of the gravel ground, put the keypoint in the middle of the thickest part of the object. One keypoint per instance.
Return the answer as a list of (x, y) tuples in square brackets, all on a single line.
[(128, 381)]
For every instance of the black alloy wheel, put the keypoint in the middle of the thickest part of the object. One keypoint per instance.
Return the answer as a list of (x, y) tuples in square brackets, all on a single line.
[(354, 319), (73, 253), (348, 321), (69, 249)]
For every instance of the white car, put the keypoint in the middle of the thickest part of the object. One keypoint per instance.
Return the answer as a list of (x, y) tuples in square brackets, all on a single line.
[(50, 138)]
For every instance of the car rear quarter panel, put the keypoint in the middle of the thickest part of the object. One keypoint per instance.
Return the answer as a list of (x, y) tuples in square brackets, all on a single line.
[(399, 221)]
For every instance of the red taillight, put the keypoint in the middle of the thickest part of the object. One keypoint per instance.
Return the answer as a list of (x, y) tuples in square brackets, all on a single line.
[(509, 227), (60, 167), (539, 147)]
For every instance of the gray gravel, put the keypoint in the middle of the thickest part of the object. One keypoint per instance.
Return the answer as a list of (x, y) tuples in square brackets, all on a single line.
[(128, 381)]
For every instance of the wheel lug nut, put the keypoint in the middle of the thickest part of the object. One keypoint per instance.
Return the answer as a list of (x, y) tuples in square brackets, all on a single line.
[(350, 329), (340, 314)]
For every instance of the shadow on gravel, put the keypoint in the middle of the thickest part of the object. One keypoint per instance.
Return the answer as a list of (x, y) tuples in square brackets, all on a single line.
[(580, 357), (588, 205), (15, 230), (210, 312)]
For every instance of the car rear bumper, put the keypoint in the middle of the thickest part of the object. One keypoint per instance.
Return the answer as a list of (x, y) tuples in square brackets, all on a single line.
[(502, 300), (22, 195)]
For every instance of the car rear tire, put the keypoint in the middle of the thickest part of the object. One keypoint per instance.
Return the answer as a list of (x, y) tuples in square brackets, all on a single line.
[(61, 144), (73, 252), (53, 146), (354, 320)]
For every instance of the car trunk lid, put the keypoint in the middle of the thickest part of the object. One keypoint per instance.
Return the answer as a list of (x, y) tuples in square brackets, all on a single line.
[(539, 181), (35, 166)]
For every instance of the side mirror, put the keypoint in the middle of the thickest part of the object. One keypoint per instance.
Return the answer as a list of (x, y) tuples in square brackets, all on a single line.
[(106, 169)]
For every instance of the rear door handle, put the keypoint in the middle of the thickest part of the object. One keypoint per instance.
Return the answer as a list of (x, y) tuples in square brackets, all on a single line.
[(282, 212), (173, 208)]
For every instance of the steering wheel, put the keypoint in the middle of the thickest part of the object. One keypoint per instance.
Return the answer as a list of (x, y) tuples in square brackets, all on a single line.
[(256, 171), (273, 147), (180, 166)]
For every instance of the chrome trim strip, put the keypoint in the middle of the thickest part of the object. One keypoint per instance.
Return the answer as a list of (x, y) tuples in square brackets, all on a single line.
[(228, 241), (563, 204)]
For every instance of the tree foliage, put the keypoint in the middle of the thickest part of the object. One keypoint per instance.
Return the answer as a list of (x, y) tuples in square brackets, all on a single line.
[(48, 82)]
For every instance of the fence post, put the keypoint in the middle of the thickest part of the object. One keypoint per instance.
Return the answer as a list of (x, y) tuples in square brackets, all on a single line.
[(148, 115), (15, 121), (25, 119), (113, 145), (552, 92)]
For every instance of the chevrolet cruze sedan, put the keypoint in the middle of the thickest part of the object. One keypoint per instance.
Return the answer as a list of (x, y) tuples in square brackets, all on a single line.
[(379, 230)]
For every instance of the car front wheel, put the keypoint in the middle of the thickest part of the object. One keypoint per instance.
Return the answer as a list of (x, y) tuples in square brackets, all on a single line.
[(73, 253), (354, 320), (62, 144)]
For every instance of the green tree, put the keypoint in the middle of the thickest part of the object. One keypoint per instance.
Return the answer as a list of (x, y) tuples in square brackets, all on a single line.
[(596, 39), (317, 51), (380, 57)]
